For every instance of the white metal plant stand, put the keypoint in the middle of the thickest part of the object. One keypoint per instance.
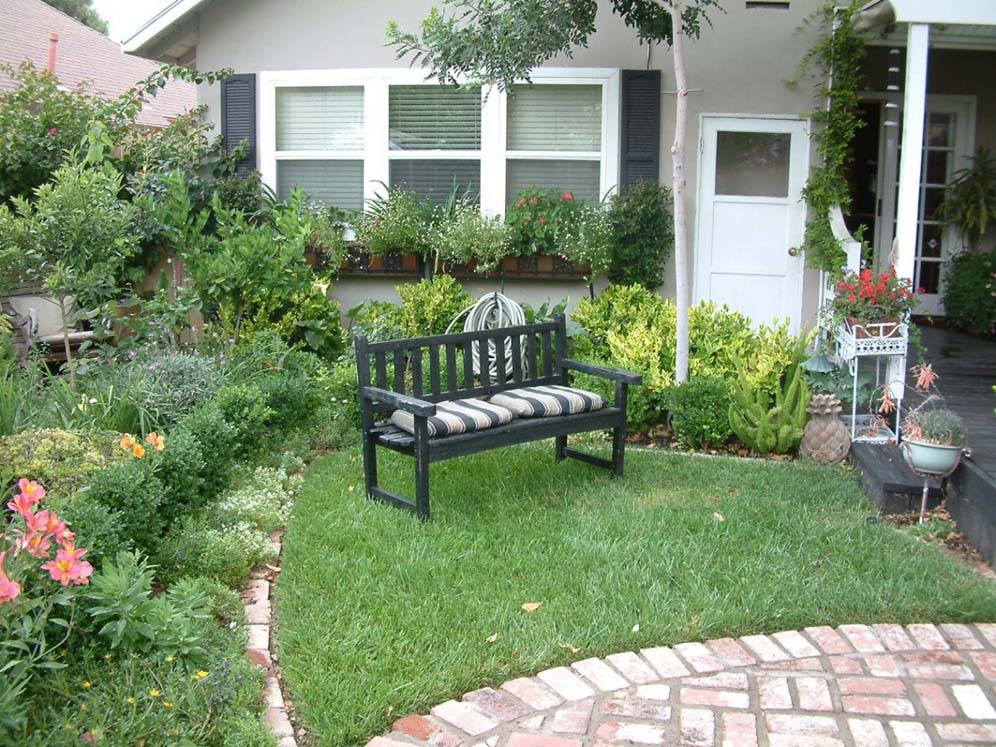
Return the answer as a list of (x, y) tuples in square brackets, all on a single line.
[(872, 341)]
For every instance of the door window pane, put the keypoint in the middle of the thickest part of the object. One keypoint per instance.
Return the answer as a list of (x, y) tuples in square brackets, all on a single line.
[(435, 178), (555, 118), (752, 164), (433, 117), (327, 119), (932, 198), (930, 277), (936, 166), (580, 178), (940, 130), (930, 240), (338, 183)]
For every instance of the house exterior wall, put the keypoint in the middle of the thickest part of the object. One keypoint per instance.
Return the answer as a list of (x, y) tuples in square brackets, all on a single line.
[(740, 65)]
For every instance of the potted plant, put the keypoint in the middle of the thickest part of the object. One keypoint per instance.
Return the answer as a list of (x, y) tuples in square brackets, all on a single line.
[(870, 305), (970, 200), (934, 440)]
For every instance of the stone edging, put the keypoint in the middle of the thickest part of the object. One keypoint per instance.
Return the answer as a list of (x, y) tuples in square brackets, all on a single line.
[(923, 683)]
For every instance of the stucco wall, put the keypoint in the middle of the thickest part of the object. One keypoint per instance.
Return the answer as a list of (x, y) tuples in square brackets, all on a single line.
[(739, 66)]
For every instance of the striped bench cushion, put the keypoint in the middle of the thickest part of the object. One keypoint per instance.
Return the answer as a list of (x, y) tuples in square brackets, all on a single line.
[(546, 401), (458, 416)]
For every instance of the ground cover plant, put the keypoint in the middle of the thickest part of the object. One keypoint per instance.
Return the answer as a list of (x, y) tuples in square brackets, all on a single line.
[(684, 548)]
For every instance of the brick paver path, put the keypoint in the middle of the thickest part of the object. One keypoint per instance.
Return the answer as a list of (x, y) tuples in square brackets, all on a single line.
[(877, 685)]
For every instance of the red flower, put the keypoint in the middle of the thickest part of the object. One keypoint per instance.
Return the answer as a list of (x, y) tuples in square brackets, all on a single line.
[(542, 220), (521, 202), (52, 131), (921, 290), (534, 200), (568, 196)]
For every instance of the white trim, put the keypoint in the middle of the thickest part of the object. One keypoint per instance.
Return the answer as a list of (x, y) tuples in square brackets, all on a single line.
[(964, 12), (159, 23), (493, 155)]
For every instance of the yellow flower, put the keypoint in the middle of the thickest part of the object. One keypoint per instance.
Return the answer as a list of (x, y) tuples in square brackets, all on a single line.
[(84, 707), (170, 659), (138, 451), (167, 704), (201, 674), (154, 693), (131, 701), (86, 685), (67, 727), (107, 657)]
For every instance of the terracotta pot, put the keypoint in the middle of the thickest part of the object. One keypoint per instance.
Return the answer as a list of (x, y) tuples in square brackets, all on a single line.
[(883, 328)]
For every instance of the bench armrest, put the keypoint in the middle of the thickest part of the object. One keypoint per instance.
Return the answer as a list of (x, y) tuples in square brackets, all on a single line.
[(614, 374), (399, 401)]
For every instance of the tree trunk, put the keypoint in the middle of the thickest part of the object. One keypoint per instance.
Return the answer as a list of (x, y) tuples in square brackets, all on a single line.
[(70, 363), (678, 188)]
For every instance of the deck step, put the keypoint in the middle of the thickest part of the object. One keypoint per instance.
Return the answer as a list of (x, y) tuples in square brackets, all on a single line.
[(890, 484)]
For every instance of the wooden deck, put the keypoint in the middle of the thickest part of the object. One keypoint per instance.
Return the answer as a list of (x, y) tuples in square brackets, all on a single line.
[(967, 369)]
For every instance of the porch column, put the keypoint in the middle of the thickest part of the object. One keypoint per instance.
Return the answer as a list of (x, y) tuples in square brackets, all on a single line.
[(910, 163), (914, 107)]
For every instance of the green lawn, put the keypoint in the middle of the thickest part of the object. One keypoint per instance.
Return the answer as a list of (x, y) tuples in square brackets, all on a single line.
[(379, 616)]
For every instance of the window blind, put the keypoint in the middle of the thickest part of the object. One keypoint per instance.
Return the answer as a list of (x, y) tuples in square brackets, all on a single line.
[(338, 183), (432, 117), (435, 178), (555, 118), (580, 178), (327, 119)]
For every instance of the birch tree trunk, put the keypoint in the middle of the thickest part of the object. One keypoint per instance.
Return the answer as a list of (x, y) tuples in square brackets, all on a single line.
[(678, 188)]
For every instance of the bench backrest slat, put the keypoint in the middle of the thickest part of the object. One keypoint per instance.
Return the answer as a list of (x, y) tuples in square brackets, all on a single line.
[(527, 355)]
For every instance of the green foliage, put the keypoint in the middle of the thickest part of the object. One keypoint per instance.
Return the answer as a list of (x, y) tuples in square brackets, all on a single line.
[(533, 219), (219, 442), (311, 320), (970, 292), (244, 408), (502, 42), (197, 546), (643, 235), (970, 201), (77, 234), (133, 494), (292, 397), (428, 307), (377, 320), (700, 412), (838, 57), (771, 426), (400, 222), (469, 235), (171, 383), (633, 328), (59, 460), (183, 470)]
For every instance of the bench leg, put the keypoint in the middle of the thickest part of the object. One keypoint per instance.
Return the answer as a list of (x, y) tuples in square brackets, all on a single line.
[(370, 463), (421, 469), (618, 449), (561, 447)]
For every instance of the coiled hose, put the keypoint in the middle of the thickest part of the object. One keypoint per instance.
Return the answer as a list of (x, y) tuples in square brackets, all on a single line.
[(492, 311)]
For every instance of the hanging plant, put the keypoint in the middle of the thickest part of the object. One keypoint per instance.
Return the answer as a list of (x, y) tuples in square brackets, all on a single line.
[(837, 56)]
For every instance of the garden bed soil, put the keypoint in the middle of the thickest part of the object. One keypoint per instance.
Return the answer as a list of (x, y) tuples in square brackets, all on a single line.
[(955, 543)]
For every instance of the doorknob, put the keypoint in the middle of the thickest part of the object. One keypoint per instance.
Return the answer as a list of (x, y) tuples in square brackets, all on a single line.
[(793, 251)]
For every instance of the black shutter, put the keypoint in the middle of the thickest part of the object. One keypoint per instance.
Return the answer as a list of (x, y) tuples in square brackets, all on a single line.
[(238, 117), (641, 126)]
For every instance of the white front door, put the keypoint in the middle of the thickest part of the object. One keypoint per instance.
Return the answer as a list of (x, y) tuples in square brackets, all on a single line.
[(948, 143), (751, 216)]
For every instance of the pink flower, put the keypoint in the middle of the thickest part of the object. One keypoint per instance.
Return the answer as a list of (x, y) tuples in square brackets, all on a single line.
[(30, 495), (568, 196), (8, 589), (53, 131), (68, 567), (22, 505)]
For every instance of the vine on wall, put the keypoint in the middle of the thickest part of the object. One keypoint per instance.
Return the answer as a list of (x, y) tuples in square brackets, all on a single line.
[(837, 56)]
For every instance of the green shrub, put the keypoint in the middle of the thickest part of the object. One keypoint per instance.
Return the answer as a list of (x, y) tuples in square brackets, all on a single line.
[(263, 501), (173, 383), (134, 495), (401, 222), (244, 408), (197, 546), (428, 307), (292, 397), (970, 292), (182, 469), (534, 217), (377, 320), (700, 412), (312, 320), (587, 239), (60, 460), (642, 233), (769, 424), (219, 445), (469, 235), (96, 526)]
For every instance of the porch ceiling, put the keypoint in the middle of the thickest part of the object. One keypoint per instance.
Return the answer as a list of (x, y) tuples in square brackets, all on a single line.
[(975, 37)]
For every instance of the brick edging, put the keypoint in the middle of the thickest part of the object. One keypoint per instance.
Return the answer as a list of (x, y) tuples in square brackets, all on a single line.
[(486, 716)]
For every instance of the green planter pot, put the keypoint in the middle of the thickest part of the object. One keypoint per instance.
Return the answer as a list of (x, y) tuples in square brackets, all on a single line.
[(932, 459)]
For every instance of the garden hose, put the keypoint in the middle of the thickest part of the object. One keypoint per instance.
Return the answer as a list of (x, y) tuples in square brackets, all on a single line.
[(493, 311)]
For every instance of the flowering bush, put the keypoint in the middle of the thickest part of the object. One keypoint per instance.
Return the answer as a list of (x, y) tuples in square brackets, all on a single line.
[(534, 217), (871, 298), (33, 605)]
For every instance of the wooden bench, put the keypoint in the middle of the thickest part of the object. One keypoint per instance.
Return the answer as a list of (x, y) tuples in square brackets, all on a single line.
[(535, 357)]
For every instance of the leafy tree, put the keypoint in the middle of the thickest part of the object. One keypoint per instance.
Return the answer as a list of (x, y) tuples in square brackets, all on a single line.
[(83, 11), (500, 41)]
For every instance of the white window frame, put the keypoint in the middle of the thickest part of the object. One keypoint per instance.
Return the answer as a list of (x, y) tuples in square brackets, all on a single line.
[(377, 155)]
